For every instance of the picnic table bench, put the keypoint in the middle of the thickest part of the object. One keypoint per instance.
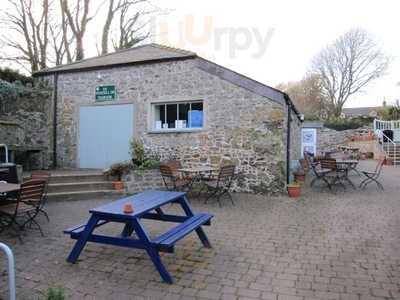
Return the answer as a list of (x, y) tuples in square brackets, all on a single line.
[(143, 204)]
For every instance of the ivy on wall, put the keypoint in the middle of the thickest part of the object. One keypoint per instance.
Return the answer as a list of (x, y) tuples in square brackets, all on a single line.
[(14, 96)]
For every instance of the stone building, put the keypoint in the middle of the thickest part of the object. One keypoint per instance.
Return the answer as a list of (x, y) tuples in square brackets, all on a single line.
[(179, 105)]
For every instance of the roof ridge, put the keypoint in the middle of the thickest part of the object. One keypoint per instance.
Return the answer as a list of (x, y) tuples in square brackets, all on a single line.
[(159, 46), (174, 49)]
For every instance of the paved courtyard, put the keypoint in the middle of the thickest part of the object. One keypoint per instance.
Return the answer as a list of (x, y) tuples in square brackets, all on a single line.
[(321, 246)]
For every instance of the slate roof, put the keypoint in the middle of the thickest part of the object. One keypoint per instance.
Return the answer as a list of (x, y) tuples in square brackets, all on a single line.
[(312, 124), (359, 111), (140, 54)]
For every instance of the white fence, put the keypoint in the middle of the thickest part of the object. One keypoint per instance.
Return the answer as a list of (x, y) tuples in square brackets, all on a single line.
[(386, 125)]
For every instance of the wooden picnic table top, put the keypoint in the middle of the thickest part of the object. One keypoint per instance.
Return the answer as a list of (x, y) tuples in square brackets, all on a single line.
[(198, 169), (9, 187), (347, 161), (141, 203), (349, 148)]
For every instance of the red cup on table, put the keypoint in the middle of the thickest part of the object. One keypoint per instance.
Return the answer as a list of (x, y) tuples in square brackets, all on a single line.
[(128, 208)]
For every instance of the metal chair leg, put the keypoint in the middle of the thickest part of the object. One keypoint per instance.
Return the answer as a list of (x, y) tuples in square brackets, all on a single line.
[(230, 197), (45, 214)]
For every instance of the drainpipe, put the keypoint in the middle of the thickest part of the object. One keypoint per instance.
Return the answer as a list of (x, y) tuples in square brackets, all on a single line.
[(289, 117), (55, 96)]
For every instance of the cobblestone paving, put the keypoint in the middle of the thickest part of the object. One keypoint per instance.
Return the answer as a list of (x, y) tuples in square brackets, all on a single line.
[(322, 246)]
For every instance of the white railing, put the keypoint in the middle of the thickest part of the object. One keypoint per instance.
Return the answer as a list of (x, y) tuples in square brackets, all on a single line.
[(386, 125), (388, 145)]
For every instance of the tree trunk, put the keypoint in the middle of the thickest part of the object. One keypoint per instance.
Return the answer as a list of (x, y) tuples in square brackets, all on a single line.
[(106, 28)]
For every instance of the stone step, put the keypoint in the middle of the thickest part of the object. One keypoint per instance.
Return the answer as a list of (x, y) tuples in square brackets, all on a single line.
[(83, 195), (72, 178), (79, 186)]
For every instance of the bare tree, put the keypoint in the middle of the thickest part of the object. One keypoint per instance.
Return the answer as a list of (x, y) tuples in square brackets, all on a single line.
[(78, 19), (66, 40), (130, 25), (37, 34), (123, 7), (307, 95), (29, 35), (347, 66)]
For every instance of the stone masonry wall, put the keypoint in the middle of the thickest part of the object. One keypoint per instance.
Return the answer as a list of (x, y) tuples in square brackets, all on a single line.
[(330, 139), (29, 109), (240, 126), (139, 181), (11, 133)]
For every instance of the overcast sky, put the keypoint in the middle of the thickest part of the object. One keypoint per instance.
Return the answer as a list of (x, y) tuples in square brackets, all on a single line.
[(295, 31), (274, 41)]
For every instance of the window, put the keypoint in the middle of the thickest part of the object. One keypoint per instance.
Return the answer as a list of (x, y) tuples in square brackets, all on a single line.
[(178, 116)]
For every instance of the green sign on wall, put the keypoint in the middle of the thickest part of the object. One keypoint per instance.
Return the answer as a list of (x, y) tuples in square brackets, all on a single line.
[(105, 92)]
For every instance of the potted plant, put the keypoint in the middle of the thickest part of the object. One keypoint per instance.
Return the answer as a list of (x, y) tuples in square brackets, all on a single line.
[(299, 173), (137, 152), (117, 170), (389, 161), (141, 159), (294, 190), (299, 176)]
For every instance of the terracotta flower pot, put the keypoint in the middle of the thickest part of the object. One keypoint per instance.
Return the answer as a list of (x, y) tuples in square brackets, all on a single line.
[(294, 191), (118, 185), (128, 208), (389, 162), (299, 177)]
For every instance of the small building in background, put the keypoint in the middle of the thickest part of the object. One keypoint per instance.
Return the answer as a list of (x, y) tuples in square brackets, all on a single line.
[(361, 112)]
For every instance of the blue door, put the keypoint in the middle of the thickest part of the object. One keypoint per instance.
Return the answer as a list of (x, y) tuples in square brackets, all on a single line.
[(104, 134)]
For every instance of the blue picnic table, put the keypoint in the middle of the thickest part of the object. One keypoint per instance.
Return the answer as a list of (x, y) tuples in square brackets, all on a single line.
[(146, 205)]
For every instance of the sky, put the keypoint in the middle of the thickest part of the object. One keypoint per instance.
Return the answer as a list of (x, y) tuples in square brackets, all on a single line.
[(274, 41)]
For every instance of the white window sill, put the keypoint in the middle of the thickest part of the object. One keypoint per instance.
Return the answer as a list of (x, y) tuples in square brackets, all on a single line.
[(174, 130)]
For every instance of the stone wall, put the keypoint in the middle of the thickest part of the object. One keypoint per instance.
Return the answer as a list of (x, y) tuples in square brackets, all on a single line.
[(240, 126), (368, 146), (11, 133), (139, 181), (29, 110), (330, 139)]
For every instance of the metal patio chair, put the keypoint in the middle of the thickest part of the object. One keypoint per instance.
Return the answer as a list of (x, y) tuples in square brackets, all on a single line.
[(221, 186), (339, 174), (335, 175), (373, 176), (319, 173), (20, 214), (45, 175), (172, 180)]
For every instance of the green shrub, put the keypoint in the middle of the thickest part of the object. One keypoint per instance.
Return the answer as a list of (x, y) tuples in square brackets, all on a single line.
[(389, 113), (345, 124), (55, 294), (12, 76), (118, 169), (142, 160)]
